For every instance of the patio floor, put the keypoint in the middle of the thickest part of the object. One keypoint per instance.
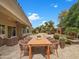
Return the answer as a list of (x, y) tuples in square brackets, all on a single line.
[(69, 52)]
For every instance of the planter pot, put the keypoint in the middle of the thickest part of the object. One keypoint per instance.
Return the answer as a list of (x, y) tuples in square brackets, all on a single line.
[(11, 41), (62, 44)]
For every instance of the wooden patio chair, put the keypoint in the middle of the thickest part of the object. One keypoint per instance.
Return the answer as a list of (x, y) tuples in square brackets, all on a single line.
[(23, 47), (27, 39), (55, 46), (22, 37)]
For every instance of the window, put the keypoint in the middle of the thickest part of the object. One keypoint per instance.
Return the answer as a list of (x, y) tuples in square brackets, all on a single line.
[(23, 30), (11, 31), (2, 29), (27, 30)]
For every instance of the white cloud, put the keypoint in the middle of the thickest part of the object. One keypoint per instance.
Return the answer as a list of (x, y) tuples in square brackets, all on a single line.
[(33, 16), (55, 6), (42, 22), (29, 13)]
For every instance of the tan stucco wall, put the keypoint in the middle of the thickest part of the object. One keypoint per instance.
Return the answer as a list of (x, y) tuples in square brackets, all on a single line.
[(7, 22), (19, 27), (13, 24), (15, 9), (10, 14)]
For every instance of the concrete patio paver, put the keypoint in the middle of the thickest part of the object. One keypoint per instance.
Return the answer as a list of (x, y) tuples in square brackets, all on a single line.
[(70, 52)]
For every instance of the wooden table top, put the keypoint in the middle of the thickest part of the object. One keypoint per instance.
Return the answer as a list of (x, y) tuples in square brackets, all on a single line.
[(39, 41)]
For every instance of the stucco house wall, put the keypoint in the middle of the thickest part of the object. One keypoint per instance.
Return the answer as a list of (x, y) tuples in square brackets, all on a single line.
[(12, 15)]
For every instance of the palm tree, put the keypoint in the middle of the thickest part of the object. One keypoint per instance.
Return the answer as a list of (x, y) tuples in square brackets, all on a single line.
[(52, 30), (47, 27)]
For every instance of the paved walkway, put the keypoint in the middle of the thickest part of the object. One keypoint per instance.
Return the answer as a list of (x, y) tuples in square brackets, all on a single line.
[(70, 52), (7, 52)]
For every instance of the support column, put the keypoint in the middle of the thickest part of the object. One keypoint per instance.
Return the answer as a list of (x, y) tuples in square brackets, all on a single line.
[(6, 31), (30, 52), (48, 52)]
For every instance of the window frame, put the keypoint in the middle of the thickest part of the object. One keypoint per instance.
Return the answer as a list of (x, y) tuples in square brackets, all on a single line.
[(11, 31), (2, 29)]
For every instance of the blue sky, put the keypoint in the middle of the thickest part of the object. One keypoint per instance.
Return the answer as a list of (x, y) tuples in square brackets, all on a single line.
[(40, 11)]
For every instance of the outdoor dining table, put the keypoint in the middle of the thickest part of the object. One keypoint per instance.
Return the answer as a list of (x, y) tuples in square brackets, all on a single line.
[(35, 42)]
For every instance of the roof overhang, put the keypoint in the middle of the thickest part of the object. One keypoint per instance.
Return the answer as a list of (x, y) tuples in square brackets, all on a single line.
[(13, 12), (9, 14)]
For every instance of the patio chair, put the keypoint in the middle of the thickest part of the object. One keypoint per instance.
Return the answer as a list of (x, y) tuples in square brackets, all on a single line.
[(23, 47), (50, 39), (22, 37), (55, 46), (27, 39)]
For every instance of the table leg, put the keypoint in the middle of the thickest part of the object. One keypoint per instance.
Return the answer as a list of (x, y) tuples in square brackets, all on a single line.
[(48, 52), (30, 52)]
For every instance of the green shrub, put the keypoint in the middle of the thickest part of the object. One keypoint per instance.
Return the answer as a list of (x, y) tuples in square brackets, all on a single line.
[(62, 38), (56, 36), (62, 42), (68, 41), (70, 37), (78, 35), (65, 39)]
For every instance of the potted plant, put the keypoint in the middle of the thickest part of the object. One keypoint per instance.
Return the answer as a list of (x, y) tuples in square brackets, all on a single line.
[(39, 36), (56, 36), (62, 42)]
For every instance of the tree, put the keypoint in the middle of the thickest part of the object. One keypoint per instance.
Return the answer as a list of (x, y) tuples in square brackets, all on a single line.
[(71, 20), (61, 17), (47, 27), (51, 27)]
